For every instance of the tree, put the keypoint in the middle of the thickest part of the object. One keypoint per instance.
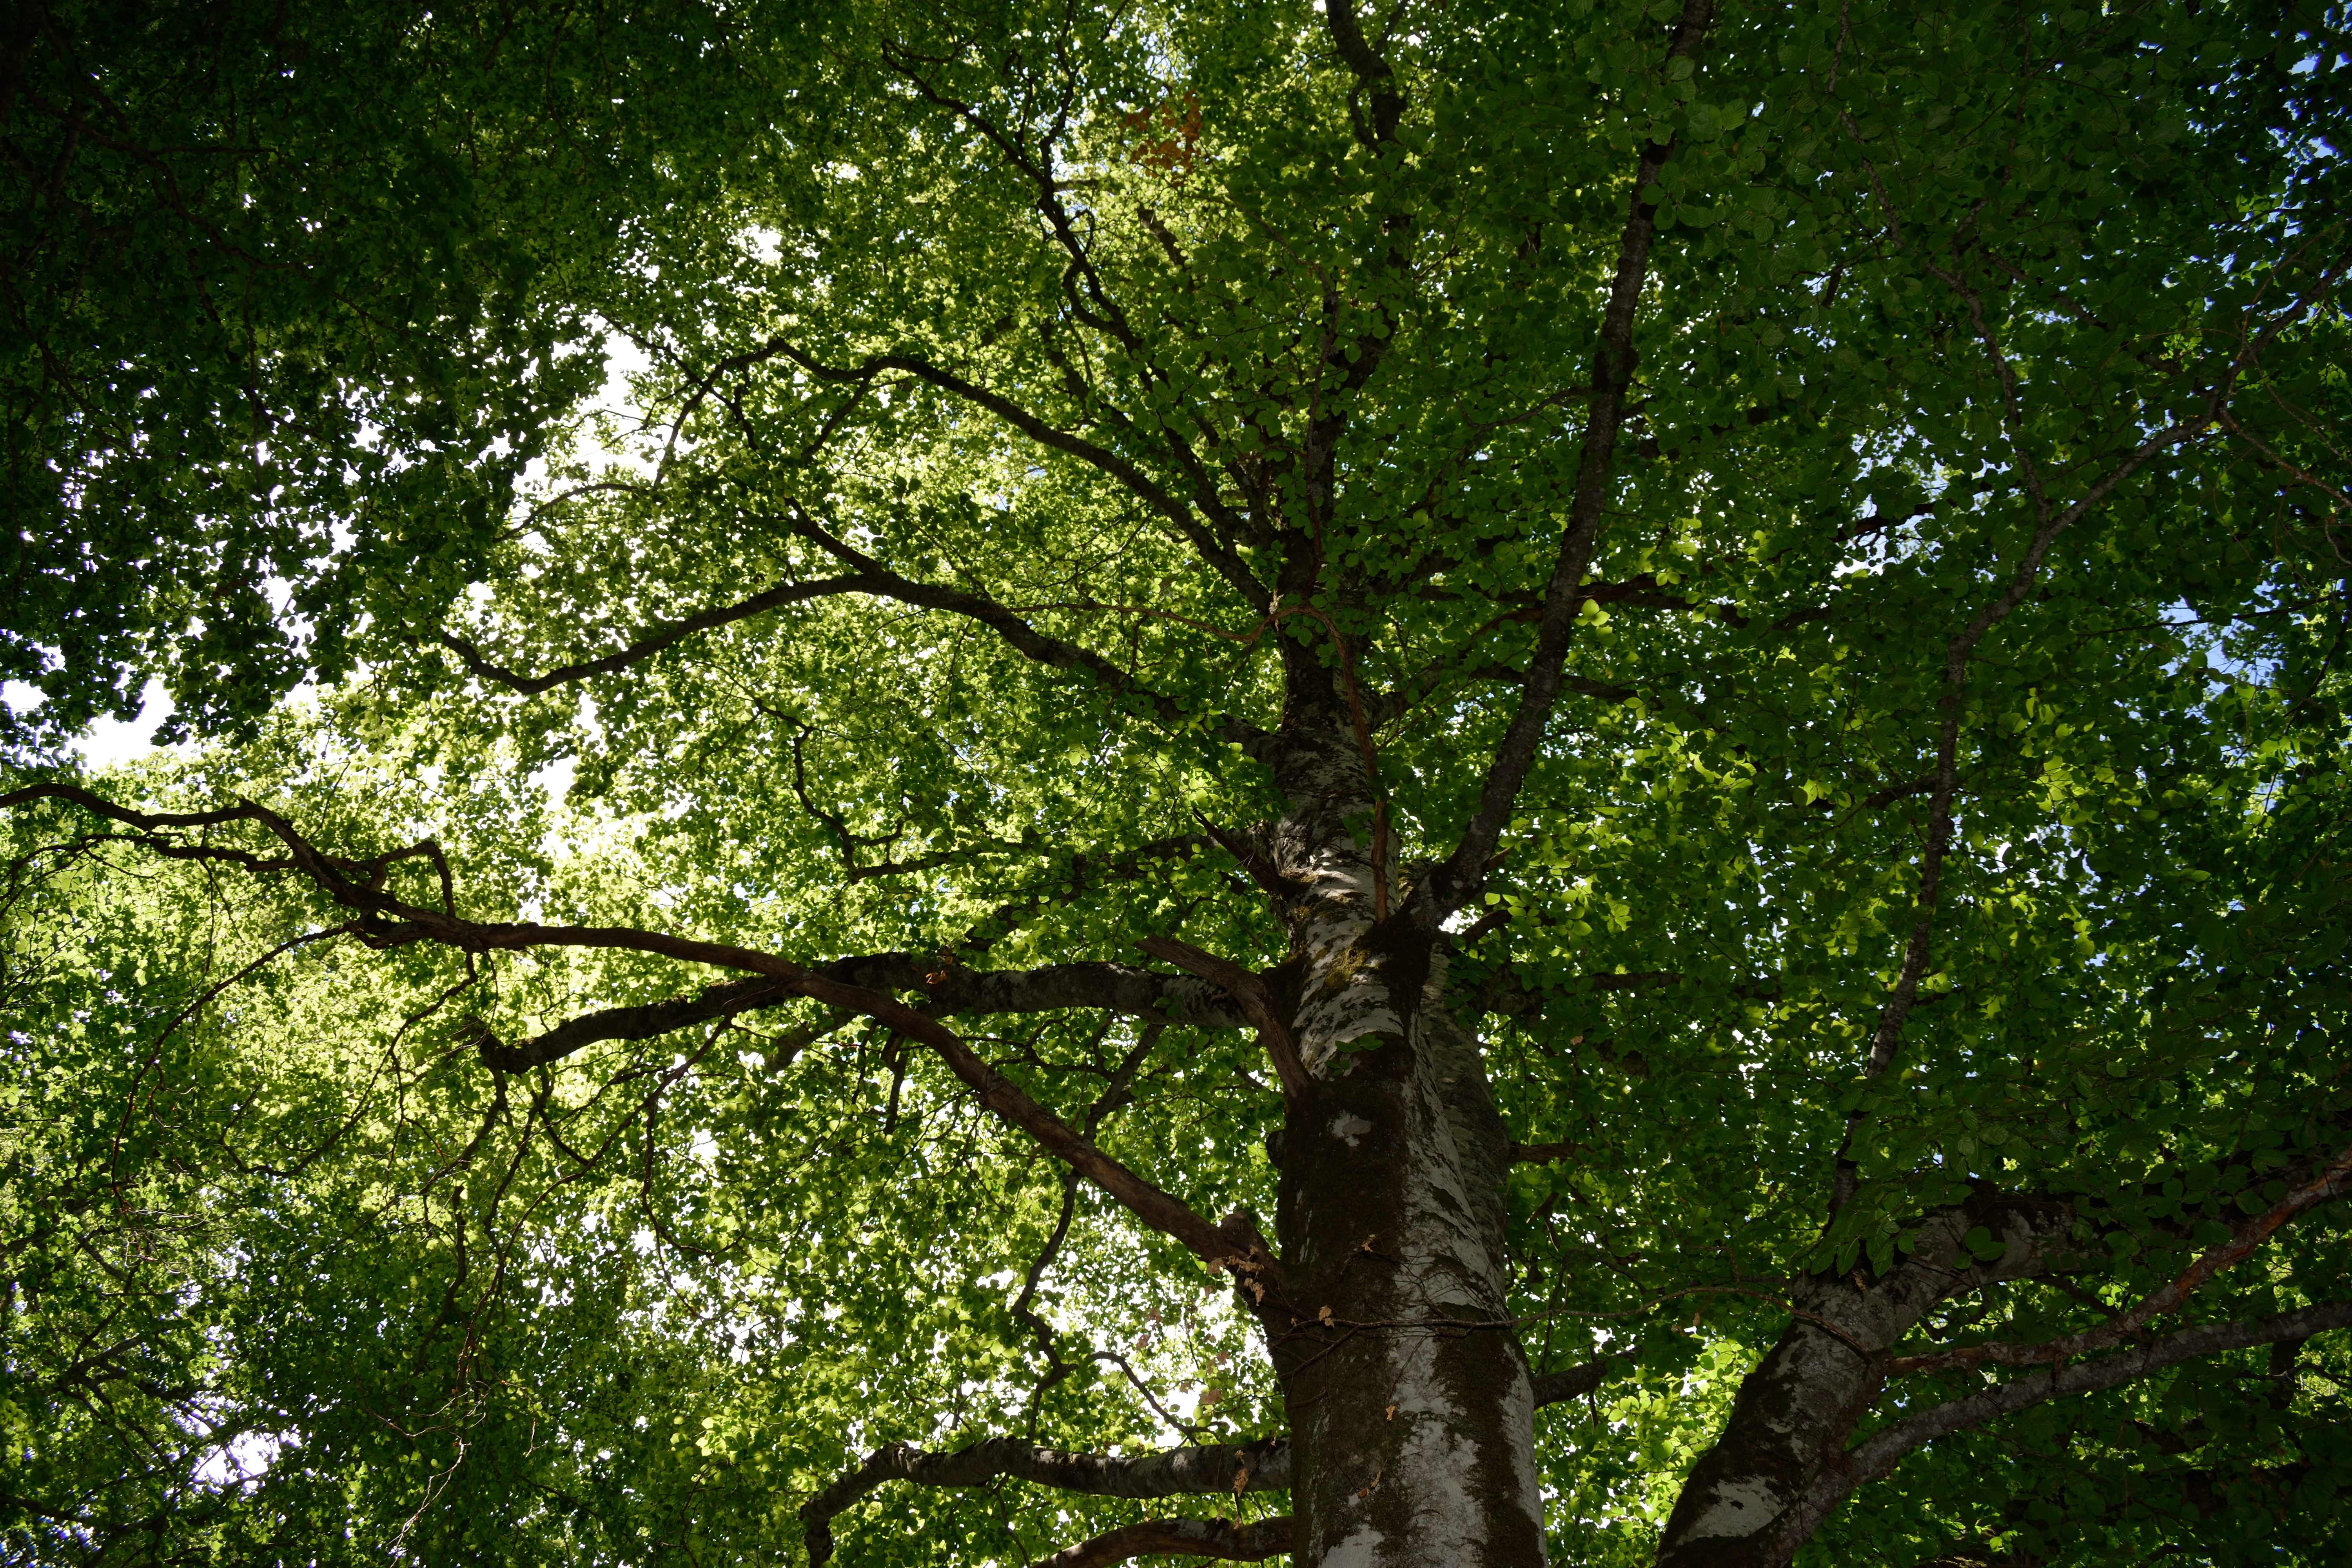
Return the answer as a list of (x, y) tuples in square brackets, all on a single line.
[(1634, 711)]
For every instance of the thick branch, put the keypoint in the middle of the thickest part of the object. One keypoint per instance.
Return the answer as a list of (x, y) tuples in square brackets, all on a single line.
[(1250, 994), (1457, 882), (1558, 1387), (948, 988), (1226, 1468), (649, 1021), (1371, 71), (1879, 1453), (1219, 1538), (98, 806), (386, 921)]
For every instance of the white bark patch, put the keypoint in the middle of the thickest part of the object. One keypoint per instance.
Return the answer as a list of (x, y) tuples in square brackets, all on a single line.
[(1446, 1265), (1445, 1459), (1349, 1127), (1741, 1508), (1321, 1039), (1359, 1551), (1345, 996), (1439, 1464)]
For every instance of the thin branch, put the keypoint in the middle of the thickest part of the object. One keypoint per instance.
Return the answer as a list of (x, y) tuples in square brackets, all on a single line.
[(2301, 475), (1205, 1469), (849, 843), (1143, 1392), (2331, 1182), (1100, 311), (950, 988), (664, 637), (1026, 638), (192, 1009), (1459, 880), (1956, 650), (870, 577), (1227, 564), (1505, 993), (1115, 1096), (1081, 874), (1411, 692)]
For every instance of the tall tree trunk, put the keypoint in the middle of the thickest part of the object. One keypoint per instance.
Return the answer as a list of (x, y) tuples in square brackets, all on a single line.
[(1412, 1427)]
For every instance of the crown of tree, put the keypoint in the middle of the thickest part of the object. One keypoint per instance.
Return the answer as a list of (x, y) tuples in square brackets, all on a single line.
[(998, 782)]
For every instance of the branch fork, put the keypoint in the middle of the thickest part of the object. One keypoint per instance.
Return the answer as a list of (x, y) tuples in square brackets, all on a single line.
[(1251, 995)]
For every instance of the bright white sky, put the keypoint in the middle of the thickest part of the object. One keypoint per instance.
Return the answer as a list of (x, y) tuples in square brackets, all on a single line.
[(110, 740)]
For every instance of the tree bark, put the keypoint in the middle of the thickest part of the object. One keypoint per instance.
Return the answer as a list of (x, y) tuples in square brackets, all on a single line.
[(1794, 1412), (1411, 1408)]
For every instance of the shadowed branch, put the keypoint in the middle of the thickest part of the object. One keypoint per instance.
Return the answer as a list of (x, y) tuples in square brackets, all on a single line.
[(947, 988), (1459, 880), (1878, 1454), (1558, 1387), (386, 921), (1207, 1470), (1219, 1538), (654, 641), (1250, 994)]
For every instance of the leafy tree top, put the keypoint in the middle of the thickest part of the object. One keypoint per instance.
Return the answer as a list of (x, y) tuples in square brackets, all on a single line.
[(1783, 569)]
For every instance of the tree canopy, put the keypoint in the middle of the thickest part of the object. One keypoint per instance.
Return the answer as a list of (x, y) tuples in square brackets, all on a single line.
[(1472, 782)]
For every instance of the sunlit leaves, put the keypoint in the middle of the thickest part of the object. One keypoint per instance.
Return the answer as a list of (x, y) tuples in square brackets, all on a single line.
[(1914, 265)]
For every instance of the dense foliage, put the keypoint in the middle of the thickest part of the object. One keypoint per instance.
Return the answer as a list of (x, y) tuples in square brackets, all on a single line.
[(1945, 803)]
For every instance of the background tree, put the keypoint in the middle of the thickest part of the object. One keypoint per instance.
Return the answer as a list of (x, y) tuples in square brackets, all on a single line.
[(1657, 690)]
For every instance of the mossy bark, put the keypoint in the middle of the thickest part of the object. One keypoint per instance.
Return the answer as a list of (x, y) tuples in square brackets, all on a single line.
[(1412, 1425), (1411, 1409)]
